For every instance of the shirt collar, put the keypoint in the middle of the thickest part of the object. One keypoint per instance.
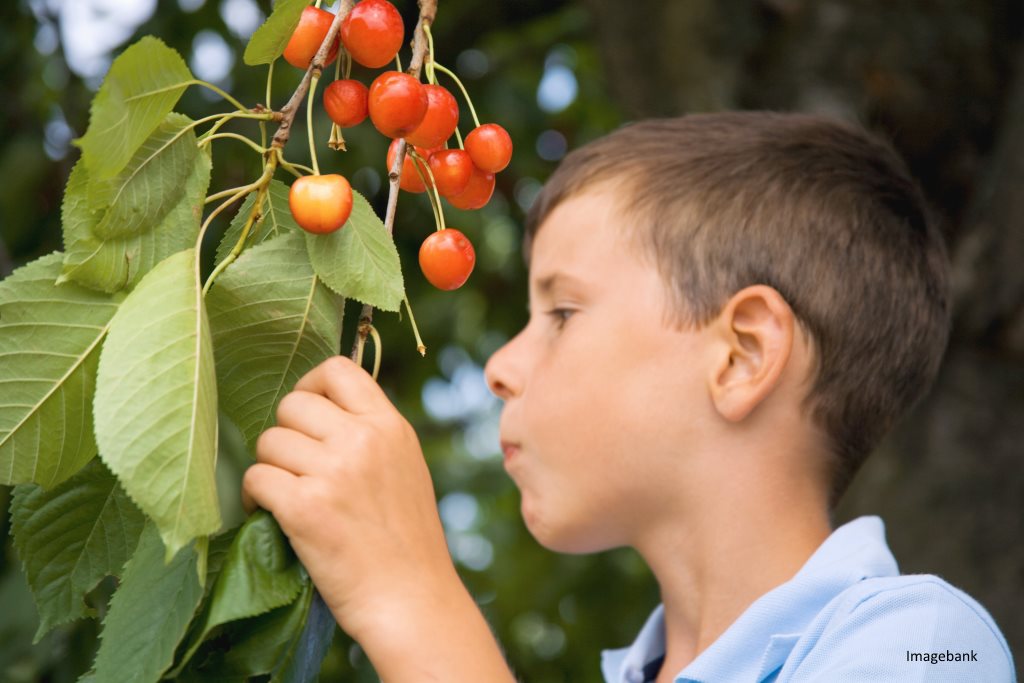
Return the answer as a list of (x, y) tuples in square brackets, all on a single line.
[(759, 641)]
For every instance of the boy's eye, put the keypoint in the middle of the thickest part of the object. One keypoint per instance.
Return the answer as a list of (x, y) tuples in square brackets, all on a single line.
[(561, 315)]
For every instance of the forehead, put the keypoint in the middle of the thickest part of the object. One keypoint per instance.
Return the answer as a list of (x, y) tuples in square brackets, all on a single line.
[(584, 237)]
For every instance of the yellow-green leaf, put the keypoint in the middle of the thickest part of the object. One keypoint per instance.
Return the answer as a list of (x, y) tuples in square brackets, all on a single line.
[(156, 402), (142, 86)]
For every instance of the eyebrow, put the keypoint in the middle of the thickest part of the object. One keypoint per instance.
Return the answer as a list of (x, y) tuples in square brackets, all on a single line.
[(549, 282)]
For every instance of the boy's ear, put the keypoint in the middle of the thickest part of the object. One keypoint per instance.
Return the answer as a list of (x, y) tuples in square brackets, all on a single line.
[(753, 341)]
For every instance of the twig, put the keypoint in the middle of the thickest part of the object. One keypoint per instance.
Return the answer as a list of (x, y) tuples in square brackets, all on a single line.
[(316, 68), (428, 10)]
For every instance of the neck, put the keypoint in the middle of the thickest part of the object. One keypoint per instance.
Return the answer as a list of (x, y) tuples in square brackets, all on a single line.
[(711, 571)]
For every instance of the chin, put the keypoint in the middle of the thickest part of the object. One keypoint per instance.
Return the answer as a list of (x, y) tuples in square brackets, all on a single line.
[(564, 537)]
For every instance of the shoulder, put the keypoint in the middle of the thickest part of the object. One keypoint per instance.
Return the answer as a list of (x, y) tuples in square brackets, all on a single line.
[(915, 626)]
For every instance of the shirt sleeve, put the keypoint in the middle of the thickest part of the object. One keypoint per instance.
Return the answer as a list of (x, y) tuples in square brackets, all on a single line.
[(927, 631)]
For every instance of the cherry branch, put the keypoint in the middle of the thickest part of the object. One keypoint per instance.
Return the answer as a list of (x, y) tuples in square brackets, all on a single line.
[(273, 154), (428, 11), (316, 67)]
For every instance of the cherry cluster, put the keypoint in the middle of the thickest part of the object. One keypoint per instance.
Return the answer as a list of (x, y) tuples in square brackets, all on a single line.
[(425, 115)]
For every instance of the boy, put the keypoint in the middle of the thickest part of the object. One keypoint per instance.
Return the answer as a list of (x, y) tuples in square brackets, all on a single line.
[(728, 312)]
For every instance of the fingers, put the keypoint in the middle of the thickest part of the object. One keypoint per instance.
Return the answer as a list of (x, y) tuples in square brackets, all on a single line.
[(267, 487), (290, 450), (347, 384), (309, 413)]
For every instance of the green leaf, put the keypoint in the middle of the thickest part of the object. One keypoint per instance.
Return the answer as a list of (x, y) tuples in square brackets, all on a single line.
[(142, 86), (260, 573), (72, 537), (277, 220), (360, 260), (156, 402), (121, 262), (220, 545), (149, 613), (270, 39), (50, 338), (251, 647), (150, 185), (216, 556), (273, 321)]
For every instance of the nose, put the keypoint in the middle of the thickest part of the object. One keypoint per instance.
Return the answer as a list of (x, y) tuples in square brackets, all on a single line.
[(502, 374)]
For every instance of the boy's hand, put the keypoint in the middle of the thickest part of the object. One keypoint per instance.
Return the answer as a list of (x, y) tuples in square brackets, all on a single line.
[(344, 475)]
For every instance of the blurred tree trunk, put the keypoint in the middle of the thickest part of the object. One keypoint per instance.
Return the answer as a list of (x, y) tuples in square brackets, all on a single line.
[(945, 82)]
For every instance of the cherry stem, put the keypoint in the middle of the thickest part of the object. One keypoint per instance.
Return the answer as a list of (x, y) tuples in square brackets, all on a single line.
[(215, 89), (365, 328), (235, 136), (262, 183), (377, 351), (309, 123), (246, 189), (336, 141), (294, 171), (435, 197), (398, 62), (431, 77), (430, 195), (255, 216), (263, 127), (270, 80), (292, 168), (419, 342), (465, 94), (221, 120)]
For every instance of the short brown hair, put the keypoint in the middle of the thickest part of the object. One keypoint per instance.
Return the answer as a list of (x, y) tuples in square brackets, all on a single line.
[(821, 211)]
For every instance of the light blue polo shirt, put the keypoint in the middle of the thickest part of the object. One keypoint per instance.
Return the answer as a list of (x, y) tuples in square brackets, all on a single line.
[(847, 615)]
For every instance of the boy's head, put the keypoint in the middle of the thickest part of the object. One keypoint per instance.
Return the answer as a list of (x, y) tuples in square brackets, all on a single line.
[(819, 211)]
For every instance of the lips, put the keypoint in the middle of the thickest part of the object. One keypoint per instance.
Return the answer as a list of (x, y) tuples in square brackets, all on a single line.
[(509, 448)]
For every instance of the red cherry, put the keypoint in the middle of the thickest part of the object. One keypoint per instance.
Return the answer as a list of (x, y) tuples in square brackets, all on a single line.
[(345, 102), (440, 120), (490, 147), (373, 32), (447, 258), (320, 203), (410, 180), (397, 103), (477, 193), (307, 38), (452, 169)]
